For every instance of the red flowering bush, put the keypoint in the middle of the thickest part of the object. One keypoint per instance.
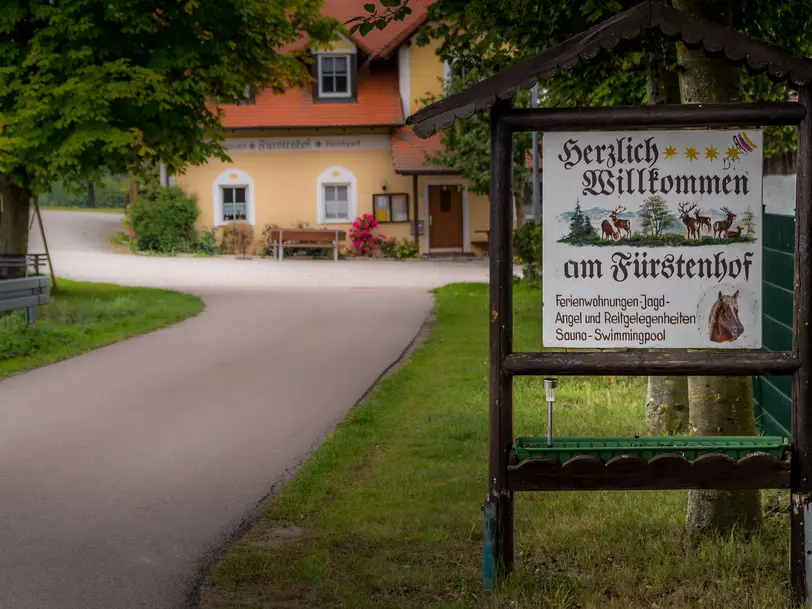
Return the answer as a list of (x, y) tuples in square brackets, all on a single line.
[(363, 241)]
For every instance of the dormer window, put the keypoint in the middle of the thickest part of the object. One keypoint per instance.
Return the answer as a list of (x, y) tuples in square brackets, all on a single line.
[(334, 76)]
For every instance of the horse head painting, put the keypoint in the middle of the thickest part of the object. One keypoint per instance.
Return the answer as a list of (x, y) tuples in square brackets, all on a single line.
[(723, 323)]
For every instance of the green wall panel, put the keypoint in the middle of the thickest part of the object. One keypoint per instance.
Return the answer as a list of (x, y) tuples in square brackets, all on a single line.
[(774, 394)]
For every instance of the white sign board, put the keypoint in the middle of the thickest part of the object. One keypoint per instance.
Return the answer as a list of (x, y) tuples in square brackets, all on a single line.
[(652, 239), (308, 144)]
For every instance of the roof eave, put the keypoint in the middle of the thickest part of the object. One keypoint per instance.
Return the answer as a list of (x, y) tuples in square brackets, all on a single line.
[(427, 172), (316, 127)]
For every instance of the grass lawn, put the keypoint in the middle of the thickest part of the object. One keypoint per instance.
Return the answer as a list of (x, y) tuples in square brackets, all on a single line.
[(386, 513), (84, 316)]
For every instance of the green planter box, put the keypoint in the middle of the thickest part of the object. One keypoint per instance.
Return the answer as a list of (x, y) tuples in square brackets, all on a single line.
[(691, 447)]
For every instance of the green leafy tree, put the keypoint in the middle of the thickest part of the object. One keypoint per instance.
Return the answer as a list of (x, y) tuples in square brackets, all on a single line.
[(748, 221), (466, 146), (656, 216), (588, 231), (490, 35), (580, 225), (577, 221), (90, 87)]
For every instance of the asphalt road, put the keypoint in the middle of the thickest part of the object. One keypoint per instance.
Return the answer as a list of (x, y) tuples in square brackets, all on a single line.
[(125, 468)]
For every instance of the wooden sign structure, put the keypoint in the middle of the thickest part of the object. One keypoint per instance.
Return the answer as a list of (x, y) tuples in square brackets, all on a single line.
[(664, 471)]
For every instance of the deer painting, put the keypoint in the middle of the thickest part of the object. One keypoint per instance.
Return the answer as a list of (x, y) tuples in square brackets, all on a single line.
[(622, 226), (723, 323), (608, 231), (734, 234), (692, 224), (721, 227), (703, 221)]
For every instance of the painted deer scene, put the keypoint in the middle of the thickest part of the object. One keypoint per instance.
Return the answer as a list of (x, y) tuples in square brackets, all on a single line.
[(655, 224)]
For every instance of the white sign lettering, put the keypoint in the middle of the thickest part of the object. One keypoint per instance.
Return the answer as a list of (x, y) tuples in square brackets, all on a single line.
[(653, 239), (308, 144)]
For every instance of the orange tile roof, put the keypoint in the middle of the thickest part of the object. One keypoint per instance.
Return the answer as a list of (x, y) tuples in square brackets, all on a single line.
[(378, 104), (528, 156), (378, 101), (377, 44), (409, 152)]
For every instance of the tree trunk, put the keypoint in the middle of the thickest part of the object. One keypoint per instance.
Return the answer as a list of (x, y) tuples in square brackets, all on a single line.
[(14, 216), (719, 405), (518, 205), (667, 399), (663, 84), (91, 195), (667, 405)]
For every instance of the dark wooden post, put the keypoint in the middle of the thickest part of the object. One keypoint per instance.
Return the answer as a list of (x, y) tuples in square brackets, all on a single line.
[(801, 480), (501, 340), (415, 210)]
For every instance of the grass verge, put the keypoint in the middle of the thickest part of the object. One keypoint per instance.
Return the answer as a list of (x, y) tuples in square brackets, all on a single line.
[(103, 210), (386, 513), (84, 316)]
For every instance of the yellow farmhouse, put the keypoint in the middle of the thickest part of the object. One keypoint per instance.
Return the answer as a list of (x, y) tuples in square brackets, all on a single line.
[(325, 154)]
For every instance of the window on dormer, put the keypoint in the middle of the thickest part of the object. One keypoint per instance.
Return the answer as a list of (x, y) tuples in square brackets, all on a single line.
[(334, 76)]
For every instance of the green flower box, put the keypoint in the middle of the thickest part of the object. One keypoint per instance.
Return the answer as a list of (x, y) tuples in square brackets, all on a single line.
[(647, 447)]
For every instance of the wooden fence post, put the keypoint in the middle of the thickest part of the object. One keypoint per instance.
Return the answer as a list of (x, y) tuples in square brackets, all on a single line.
[(801, 479), (500, 432)]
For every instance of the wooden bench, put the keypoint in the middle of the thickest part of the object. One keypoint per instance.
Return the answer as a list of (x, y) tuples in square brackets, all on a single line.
[(29, 262), (26, 292), (485, 243), (306, 238)]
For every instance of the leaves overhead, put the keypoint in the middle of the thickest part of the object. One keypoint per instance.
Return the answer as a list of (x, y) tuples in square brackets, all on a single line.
[(94, 85), (491, 35), (466, 145)]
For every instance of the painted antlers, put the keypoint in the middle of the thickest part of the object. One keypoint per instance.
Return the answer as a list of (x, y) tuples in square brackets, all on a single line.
[(691, 224), (622, 226)]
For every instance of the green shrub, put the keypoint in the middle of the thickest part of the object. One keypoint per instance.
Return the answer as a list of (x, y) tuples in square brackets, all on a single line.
[(388, 246), (164, 220), (527, 243), (207, 244), (119, 238), (238, 237), (407, 248)]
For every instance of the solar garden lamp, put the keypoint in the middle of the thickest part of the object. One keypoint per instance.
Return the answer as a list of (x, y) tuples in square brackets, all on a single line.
[(549, 390)]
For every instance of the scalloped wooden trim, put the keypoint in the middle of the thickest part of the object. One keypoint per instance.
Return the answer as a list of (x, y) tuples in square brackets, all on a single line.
[(715, 40), (665, 471)]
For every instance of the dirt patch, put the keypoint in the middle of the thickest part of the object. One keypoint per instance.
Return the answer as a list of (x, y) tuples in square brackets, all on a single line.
[(276, 537)]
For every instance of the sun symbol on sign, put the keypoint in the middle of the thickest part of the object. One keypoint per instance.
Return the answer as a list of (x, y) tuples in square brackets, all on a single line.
[(670, 151), (691, 153), (733, 153), (711, 153)]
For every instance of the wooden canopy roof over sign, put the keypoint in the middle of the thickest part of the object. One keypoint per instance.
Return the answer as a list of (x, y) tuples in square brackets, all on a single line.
[(757, 57)]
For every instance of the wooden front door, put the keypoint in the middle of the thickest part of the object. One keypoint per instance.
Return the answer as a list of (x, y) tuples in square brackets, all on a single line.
[(445, 216)]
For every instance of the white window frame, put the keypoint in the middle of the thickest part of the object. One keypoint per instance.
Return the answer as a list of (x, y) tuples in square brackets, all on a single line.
[(348, 57), (232, 178), (326, 217), (222, 193), (336, 176)]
